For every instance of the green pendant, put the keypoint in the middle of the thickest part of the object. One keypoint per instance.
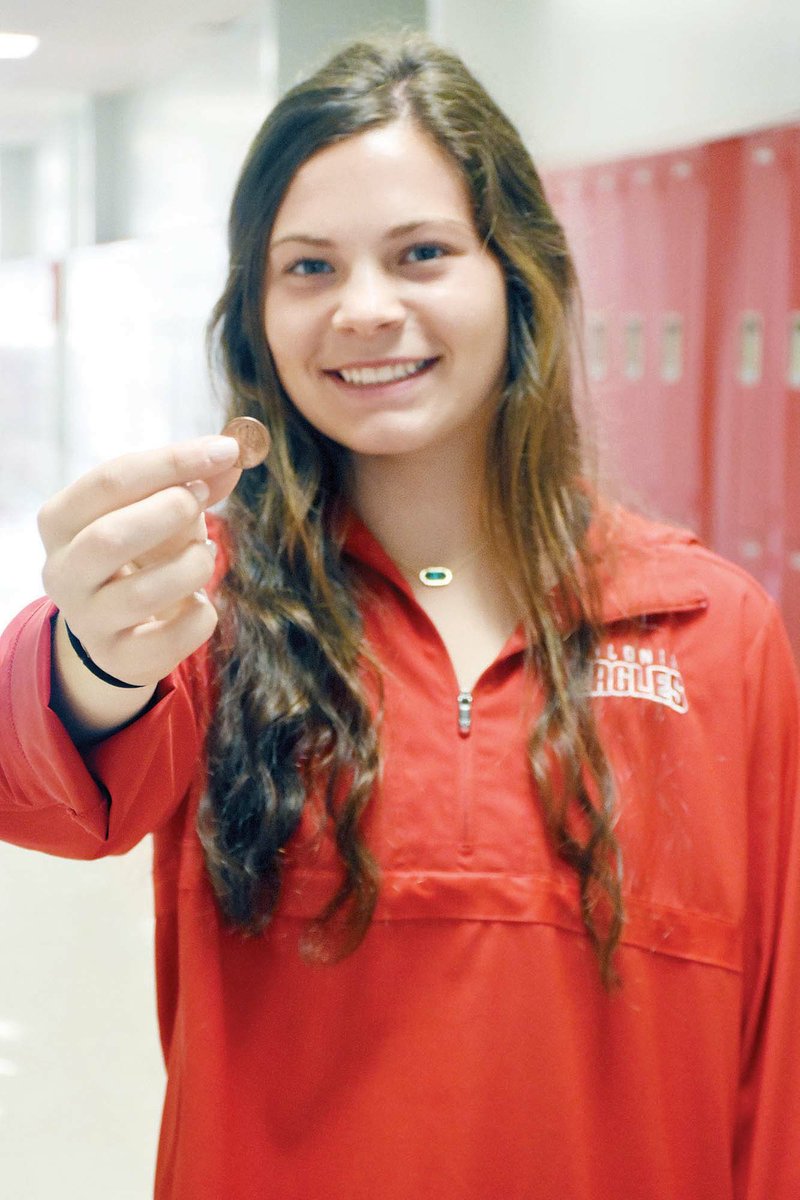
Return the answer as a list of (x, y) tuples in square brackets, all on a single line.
[(436, 576)]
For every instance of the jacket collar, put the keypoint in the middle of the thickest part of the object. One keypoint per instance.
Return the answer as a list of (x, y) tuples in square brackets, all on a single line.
[(643, 567)]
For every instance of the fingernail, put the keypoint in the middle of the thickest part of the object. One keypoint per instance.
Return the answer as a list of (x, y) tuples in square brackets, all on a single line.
[(223, 449), (212, 547), (199, 490)]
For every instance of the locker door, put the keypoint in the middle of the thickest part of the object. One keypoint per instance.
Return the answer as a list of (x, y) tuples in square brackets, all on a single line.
[(678, 385), (749, 421), (790, 581), (567, 192), (641, 253), (603, 268), (587, 201)]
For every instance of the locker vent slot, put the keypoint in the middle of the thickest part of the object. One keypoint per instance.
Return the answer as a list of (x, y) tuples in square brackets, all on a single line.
[(597, 346), (672, 348), (634, 348), (751, 348), (750, 549), (794, 350), (763, 156)]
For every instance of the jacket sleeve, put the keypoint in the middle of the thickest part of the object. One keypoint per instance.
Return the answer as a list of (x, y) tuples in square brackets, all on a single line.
[(767, 1144), (105, 798)]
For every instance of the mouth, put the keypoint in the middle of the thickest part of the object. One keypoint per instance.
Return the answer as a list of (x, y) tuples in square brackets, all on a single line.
[(379, 374)]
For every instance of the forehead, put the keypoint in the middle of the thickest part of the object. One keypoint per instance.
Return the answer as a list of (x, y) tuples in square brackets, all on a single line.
[(381, 178)]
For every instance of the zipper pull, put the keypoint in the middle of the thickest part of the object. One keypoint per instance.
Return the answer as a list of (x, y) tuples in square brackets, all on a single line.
[(464, 713)]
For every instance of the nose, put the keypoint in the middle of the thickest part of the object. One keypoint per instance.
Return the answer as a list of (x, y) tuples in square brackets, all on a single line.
[(367, 302)]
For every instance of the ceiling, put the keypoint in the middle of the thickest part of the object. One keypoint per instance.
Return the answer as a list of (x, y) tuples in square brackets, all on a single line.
[(90, 46)]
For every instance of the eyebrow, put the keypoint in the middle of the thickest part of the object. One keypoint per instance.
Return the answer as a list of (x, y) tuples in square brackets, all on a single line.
[(394, 232)]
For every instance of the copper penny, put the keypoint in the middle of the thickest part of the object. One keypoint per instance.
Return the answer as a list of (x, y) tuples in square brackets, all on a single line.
[(253, 439)]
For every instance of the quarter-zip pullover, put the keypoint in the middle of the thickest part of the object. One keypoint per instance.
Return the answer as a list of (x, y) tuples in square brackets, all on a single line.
[(467, 1049)]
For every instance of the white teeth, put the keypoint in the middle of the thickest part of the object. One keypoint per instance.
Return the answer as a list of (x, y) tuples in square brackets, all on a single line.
[(388, 374)]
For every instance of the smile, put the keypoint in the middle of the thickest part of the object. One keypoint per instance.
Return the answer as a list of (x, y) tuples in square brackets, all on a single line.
[(388, 373)]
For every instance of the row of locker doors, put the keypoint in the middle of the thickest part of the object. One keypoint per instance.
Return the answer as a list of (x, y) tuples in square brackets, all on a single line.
[(689, 264)]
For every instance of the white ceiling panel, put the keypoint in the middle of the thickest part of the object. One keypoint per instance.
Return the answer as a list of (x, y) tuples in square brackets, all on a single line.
[(91, 46)]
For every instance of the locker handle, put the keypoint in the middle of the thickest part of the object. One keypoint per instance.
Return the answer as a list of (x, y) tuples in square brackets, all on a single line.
[(597, 346), (751, 348), (672, 348), (634, 347), (793, 376)]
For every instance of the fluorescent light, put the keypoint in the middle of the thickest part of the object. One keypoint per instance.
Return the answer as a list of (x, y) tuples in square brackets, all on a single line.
[(17, 45)]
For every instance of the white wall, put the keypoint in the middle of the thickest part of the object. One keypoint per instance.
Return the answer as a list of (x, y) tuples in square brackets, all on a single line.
[(587, 80), (310, 30), (167, 156)]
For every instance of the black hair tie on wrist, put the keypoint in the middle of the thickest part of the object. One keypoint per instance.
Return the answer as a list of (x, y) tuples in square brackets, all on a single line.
[(92, 666)]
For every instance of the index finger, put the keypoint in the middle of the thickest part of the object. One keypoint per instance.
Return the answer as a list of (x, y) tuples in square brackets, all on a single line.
[(131, 477)]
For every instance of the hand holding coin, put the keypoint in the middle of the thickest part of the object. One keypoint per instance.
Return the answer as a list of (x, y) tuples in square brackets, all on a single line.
[(127, 562), (253, 438)]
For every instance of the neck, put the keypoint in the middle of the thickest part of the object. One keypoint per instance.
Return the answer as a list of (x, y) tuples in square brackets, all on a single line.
[(425, 507)]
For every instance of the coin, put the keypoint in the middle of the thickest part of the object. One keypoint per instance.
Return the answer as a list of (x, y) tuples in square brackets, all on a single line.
[(253, 439)]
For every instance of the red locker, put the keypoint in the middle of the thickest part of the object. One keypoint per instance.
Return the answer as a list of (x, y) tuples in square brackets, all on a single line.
[(690, 271), (684, 202), (589, 203), (790, 573), (637, 421), (638, 229), (751, 281)]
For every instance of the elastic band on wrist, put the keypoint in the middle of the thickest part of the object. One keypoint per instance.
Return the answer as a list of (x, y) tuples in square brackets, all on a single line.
[(92, 666)]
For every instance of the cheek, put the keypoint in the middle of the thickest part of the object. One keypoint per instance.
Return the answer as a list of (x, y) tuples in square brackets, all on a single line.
[(497, 314), (271, 328), (284, 335), (480, 300), (483, 328), (299, 328)]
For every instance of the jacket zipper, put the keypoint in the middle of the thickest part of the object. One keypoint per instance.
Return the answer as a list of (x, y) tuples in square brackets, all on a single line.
[(464, 701), (464, 713)]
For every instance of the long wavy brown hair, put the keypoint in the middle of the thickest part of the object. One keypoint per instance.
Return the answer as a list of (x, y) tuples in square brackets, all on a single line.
[(293, 710)]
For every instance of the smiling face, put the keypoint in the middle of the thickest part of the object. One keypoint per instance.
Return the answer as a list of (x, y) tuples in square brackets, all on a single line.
[(385, 315)]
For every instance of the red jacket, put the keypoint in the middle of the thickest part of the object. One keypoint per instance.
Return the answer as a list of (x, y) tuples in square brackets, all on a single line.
[(467, 1049)]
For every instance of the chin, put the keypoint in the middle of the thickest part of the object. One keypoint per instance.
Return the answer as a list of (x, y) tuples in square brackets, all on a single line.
[(387, 445), (382, 441)]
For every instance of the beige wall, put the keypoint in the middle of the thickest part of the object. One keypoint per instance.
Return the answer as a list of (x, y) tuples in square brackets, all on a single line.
[(587, 80)]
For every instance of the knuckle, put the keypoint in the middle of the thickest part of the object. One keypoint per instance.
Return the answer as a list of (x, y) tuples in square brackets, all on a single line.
[(201, 621), (107, 480), (49, 578), (202, 564), (44, 518), (52, 520), (102, 541), (182, 505), (207, 618), (140, 591), (187, 632), (60, 580), (174, 461)]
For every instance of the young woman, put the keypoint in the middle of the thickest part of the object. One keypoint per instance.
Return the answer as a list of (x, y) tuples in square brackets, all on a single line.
[(476, 828)]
